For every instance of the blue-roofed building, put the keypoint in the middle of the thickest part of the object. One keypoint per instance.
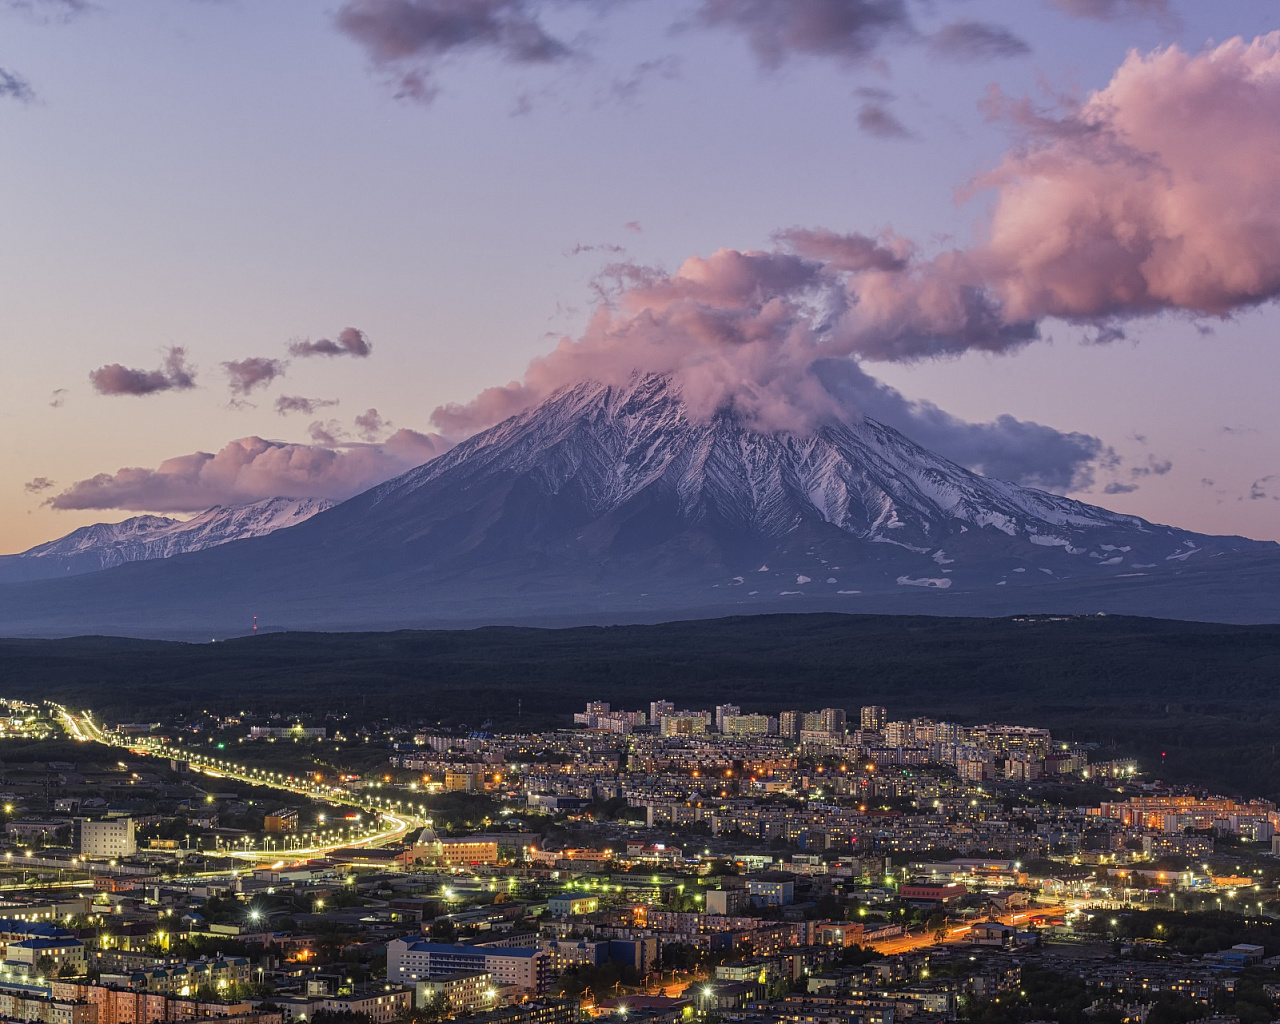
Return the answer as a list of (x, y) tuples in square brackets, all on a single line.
[(65, 956), (15, 930), (185, 979)]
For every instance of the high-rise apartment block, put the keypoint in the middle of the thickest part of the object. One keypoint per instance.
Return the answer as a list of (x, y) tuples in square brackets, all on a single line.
[(834, 722), (724, 711), (683, 723)]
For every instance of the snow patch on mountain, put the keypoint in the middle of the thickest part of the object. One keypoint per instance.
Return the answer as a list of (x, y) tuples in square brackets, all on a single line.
[(937, 584)]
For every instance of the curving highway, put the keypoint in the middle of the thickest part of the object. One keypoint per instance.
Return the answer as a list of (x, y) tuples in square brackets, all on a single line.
[(388, 825)]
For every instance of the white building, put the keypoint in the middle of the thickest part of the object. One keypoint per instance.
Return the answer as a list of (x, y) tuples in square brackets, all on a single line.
[(105, 839), (410, 961)]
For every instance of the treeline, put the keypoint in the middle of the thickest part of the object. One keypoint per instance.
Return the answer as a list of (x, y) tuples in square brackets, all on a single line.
[(1195, 701)]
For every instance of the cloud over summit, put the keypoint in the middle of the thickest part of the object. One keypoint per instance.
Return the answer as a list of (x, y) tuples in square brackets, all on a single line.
[(1157, 194)]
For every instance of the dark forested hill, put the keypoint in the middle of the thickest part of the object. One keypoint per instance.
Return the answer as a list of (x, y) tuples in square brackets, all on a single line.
[(1207, 695)]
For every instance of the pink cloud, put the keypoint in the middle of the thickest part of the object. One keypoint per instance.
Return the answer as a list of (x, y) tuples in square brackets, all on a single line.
[(851, 252), (735, 326), (1157, 194), (251, 469)]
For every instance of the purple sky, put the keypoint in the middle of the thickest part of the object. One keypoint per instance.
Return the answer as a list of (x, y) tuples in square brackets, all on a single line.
[(314, 225)]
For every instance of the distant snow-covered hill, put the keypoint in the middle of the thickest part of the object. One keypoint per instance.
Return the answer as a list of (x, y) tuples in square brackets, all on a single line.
[(141, 538)]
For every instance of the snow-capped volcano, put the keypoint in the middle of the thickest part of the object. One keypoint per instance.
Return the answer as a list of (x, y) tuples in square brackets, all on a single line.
[(141, 538), (605, 449), (614, 504)]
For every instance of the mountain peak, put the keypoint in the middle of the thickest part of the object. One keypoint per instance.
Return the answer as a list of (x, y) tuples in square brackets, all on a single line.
[(609, 443)]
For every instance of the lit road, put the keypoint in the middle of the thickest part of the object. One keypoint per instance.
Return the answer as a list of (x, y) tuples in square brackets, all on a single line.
[(960, 933), (390, 823)]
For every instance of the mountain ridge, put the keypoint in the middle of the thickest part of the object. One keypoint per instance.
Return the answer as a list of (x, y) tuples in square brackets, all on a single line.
[(147, 537), (612, 504)]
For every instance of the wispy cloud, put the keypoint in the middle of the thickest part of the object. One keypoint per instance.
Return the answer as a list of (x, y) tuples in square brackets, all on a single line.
[(849, 31), (14, 87), (875, 118), (174, 374), (409, 39), (1260, 489), (350, 342), (628, 87), (1111, 10), (1152, 467), (244, 375), (370, 424), (329, 433), (287, 404), (412, 41), (974, 41)]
